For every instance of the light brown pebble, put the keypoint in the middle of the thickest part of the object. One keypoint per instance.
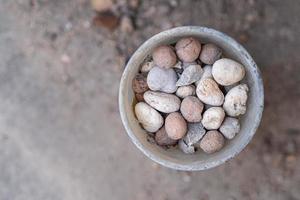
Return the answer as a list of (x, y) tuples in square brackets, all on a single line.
[(162, 102), (213, 118), (188, 49), (191, 109), (162, 138), (164, 56), (147, 66), (212, 142), (139, 83), (209, 92), (210, 53), (187, 90), (227, 72), (176, 126)]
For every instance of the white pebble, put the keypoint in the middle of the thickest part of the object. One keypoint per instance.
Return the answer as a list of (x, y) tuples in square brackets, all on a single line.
[(235, 100), (160, 79), (227, 72), (213, 118), (230, 127), (150, 119), (162, 102), (209, 92), (187, 90)]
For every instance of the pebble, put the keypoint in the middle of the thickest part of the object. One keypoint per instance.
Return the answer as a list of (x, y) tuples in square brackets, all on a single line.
[(150, 119), (209, 92), (160, 79), (126, 24), (178, 65), (230, 127), (188, 149), (194, 134), (101, 5), (188, 49), (139, 97), (212, 142), (191, 109), (210, 53), (206, 73), (175, 125), (164, 56), (162, 102), (139, 84), (235, 100), (213, 118), (190, 75), (227, 72), (162, 138), (187, 90), (147, 66)]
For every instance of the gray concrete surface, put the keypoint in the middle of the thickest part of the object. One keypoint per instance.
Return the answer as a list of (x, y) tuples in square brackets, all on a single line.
[(60, 132)]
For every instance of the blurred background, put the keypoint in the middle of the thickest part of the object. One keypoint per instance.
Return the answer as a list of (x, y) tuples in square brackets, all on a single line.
[(61, 137)]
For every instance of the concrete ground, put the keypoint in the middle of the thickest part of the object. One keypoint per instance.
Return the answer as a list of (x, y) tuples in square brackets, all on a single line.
[(60, 132)]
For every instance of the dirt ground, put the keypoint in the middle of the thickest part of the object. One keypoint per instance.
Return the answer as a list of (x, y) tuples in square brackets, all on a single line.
[(60, 132)]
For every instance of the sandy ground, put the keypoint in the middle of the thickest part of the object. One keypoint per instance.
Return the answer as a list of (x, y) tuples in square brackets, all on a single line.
[(60, 132)]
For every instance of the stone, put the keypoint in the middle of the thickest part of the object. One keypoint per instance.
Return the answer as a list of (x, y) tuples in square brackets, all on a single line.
[(191, 109), (188, 149), (175, 125), (162, 102), (212, 142), (190, 75), (188, 49), (147, 66), (230, 127), (160, 79), (139, 84), (210, 53), (209, 92), (213, 118), (206, 73), (194, 134), (162, 138), (235, 100), (227, 72), (164, 56), (187, 90), (150, 119)]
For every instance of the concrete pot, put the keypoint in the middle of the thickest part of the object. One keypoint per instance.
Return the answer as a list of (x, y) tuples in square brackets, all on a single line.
[(174, 158)]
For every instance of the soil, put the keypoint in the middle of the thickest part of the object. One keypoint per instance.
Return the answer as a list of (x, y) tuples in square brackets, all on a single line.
[(61, 136)]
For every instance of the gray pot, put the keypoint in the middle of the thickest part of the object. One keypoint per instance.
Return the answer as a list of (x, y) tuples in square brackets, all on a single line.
[(174, 158)]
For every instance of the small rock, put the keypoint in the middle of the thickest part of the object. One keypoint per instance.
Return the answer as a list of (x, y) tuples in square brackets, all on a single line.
[(206, 73), (139, 97), (190, 75), (101, 5), (194, 134), (210, 53), (178, 65), (162, 138), (188, 149), (213, 118), (230, 127), (187, 90), (150, 119), (147, 66), (209, 92), (160, 79), (191, 109), (107, 20), (212, 142), (188, 49), (175, 125), (162, 102), (139, 84), (235, 100), (227, 72), (164, 56), (126, 24)]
